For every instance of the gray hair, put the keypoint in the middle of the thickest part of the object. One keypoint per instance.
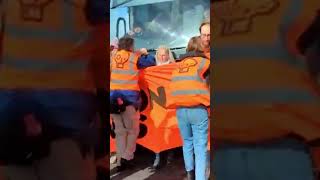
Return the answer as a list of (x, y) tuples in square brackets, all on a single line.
[(171, 58)]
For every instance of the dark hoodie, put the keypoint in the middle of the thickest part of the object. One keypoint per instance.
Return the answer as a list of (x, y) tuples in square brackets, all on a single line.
[(195, 54)]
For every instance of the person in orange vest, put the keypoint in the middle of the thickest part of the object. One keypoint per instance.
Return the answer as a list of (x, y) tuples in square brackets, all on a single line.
[(52, 53), (125, 99), (266, 109), (191, 97)]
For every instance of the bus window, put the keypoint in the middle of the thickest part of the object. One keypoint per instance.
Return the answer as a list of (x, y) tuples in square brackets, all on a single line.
[(171, 23)]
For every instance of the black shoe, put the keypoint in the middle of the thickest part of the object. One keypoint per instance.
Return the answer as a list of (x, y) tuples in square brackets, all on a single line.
[(190, 175), (126, 163), (121, 168)]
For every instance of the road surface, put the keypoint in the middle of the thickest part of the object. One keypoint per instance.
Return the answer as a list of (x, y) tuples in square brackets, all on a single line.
[(142, 171)]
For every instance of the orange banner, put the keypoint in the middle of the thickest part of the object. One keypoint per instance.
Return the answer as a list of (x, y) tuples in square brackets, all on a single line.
[(158, 126)]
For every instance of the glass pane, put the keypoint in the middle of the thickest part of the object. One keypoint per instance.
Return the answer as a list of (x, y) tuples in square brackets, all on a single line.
[(168, 23)]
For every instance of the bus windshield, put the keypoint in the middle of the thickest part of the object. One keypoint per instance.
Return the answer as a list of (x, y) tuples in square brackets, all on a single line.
[(169, 23)]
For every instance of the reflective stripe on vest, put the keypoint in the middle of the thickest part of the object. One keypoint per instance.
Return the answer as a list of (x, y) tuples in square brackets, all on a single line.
[(195, 78), (189, 92), (67, 33), (130, 71)]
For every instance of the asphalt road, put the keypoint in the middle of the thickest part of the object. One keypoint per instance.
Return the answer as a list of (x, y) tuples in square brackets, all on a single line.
[(142, 171)]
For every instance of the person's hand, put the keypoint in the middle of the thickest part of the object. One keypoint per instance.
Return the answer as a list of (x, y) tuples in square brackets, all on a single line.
[(119, 101), (33, 127), (143, 51)]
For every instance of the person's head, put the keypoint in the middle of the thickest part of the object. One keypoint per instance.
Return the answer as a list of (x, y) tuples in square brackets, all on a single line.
[(126, 43), (163, 55), (205, 34), (194, 44)]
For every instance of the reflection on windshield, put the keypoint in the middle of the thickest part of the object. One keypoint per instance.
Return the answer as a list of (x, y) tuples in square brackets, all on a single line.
[(168, 23)]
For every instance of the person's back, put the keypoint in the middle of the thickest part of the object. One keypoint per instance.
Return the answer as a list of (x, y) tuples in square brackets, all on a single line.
[(265, 53), (190, 96), (267, 91), (125, 100), (191, 93)]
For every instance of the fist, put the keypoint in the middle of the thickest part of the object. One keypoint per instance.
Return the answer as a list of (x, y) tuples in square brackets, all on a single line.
[(33, 127), (143, 51)]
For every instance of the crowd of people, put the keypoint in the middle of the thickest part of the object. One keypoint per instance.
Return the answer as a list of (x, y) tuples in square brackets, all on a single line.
[(190, 93), (52, 69)]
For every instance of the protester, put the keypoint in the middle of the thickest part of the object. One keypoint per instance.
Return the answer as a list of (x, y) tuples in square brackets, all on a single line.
[(191, 97), (125, 99), (269, 129), (163, 56)]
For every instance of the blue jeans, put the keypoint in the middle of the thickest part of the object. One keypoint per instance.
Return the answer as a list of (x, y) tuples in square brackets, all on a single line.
[(63, 112), (193, 125), (281, 160)]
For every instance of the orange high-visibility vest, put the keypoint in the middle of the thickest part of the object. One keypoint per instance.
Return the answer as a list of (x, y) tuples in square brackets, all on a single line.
[(188, 88), (261, 88), (43, 46), (124, 71)]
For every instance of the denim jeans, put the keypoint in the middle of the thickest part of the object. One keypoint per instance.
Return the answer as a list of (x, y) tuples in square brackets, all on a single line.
[(281, 160), (193, 125)]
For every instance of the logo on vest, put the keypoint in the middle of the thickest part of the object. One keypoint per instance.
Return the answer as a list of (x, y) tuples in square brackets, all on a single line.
[(185, 65), (120, 61), (237, 16), (33, 10)]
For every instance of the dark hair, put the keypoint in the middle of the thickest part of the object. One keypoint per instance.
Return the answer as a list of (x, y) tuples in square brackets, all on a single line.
[(203, 24), (194, 44), (125, 43)]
